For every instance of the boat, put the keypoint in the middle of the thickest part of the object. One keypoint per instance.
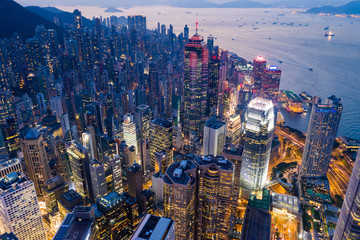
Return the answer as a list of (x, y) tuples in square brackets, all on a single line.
[(329, 34), (280, 61), (255, 28), (326, 28), (310, 69)]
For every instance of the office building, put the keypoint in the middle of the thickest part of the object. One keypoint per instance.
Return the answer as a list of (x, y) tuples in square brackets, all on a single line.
[(19, 208), (271, 83), (233, 131), (80, 166), (68, 201), (98, 180), (347, 226), (36, 159), (10, 165), (53, 189), (180, 198), (214, 199), (135, 180), (323, 125), (259, 133), (259, 65), (79, 225), (214, 136), (117, 173), (7, 107), (234, 153), (77, 19), (160, 141), (153, 228), (257, 220), (130, 132), (195, 86), (142, 121)]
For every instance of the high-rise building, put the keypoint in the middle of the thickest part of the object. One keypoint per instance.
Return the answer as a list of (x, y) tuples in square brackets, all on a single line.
[(79, 162), (233, 131), (135, 180), (19, 208), (322, 129), (214, 199), (234, 154), (36, 160), (79, 224), (347, 226), (8, 236), (98, 181), (180, 198), (259, 65), (117, 173), (142, 120), (154, 227), (195, 86), (137, 22), (10, 165), (7, 107), (198, 197), (160, 141), (77, 19), (259, 133), (214, 136), (54, 188), (270, 83), (130, 132), (213, 86), (186, 33)]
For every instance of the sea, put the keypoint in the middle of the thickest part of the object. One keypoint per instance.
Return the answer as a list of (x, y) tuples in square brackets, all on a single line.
[(287, 38)]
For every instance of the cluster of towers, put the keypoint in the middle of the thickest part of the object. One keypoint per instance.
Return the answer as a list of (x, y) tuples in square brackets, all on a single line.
[(136, 121)]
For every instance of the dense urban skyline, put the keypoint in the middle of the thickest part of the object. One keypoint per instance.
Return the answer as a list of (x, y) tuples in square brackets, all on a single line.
[(112, 130)]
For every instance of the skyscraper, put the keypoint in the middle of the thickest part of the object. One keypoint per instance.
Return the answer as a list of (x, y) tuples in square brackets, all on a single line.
[(77, 19), (259, 133), (19, 208), (214, 136), (258, 71), (160, 141), (323, 126), (214, 199), (349, 220), (195, 86), (130, 132), (36, 160), (180, 198), (98, 180), (79, 162), (270, 83), (142, 120)]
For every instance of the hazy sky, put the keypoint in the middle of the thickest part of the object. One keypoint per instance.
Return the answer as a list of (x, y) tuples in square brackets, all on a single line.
[(119, 3)]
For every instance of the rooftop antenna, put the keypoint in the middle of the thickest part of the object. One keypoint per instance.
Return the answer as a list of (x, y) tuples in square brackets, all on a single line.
[(197, 23)]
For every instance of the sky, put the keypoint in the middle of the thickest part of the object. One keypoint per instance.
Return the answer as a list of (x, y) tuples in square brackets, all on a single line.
[(120, 3)]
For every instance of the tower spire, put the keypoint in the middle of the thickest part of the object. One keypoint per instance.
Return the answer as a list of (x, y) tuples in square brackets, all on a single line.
[(197, 23)]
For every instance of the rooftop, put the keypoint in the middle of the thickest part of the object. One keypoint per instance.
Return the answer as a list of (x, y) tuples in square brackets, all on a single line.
[(261, 104), (153, 228), (219, 160), (232, 149), (8, 236), (177, 172), (6, 183), (260, 200), (32, 134), (215, 123), (162, 122)]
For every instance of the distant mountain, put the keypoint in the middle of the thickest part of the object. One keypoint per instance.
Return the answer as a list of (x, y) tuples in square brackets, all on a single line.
[(350, 8), (113, 10), (244, 4), (66, 18), (15, 18)]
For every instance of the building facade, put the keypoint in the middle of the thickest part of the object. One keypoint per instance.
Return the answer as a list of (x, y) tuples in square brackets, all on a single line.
[(259, 133), (323, 125)]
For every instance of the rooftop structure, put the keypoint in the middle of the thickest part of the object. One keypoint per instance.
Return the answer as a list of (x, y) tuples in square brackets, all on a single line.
[(153, 228)]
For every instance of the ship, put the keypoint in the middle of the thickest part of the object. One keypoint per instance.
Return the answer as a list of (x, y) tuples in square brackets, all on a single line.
[(329, 34)]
